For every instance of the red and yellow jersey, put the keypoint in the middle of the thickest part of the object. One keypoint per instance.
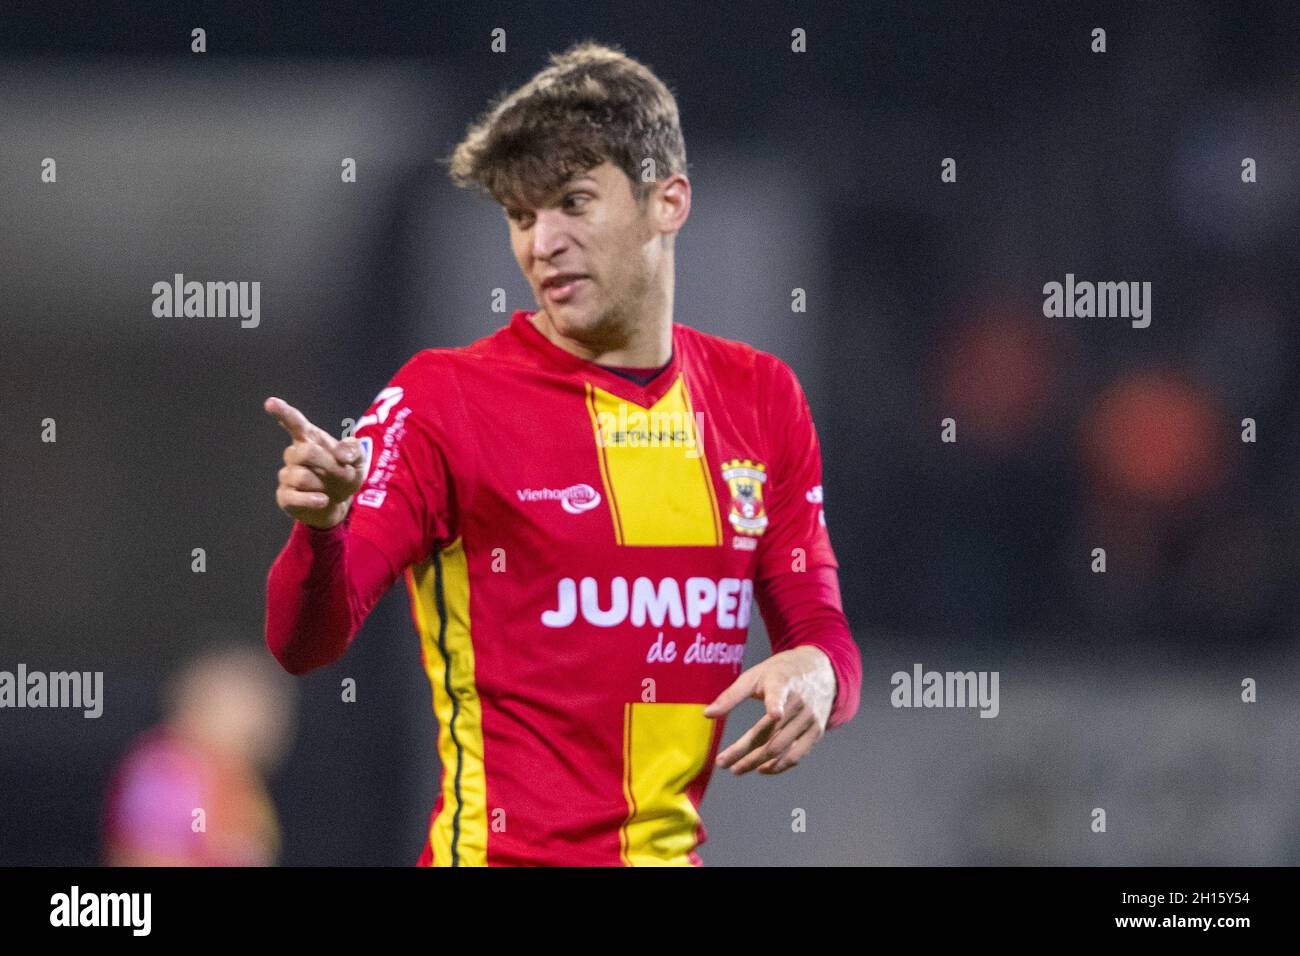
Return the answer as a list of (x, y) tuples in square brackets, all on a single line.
[(583, 555)]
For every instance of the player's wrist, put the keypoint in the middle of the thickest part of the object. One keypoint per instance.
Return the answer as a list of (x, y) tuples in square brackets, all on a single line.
[(318, 532), (825, 664), (331, 527), (335, 520)]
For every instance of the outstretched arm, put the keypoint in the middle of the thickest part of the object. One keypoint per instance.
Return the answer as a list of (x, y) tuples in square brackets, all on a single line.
[(358, 524)]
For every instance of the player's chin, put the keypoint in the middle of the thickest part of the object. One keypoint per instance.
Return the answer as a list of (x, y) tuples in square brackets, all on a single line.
[(574, 321)]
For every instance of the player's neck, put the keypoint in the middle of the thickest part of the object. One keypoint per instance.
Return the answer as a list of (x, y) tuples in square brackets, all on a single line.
[(648, 345)]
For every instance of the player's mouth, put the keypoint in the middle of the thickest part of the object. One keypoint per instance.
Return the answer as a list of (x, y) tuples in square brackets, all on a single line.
[(561, 288)]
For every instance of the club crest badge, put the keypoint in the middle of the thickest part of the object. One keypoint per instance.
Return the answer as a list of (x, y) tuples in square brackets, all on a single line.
[(745, 478)]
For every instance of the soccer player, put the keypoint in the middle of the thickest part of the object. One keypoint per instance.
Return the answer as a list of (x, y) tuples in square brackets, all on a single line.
[(585, 505)]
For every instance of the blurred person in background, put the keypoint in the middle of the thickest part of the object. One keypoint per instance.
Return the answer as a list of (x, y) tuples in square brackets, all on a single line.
[(191, 791)]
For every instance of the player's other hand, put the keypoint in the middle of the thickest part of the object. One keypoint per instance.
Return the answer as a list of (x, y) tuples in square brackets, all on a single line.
[(797, 688), (321, 473)]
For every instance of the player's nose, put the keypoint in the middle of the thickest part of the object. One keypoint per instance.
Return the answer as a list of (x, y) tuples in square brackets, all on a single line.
[(549, 234)]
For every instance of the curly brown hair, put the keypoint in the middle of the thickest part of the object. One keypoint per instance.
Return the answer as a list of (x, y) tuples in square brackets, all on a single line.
[(592, 104)]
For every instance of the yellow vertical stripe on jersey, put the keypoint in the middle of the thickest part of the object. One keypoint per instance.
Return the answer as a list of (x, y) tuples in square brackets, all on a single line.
[(659, 494), (664, 749), (440, 591)]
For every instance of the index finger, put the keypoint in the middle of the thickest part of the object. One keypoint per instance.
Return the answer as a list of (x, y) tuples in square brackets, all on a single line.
[(290, 419), (741, 689)]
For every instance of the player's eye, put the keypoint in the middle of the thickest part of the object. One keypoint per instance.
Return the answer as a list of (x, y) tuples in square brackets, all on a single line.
[(576, 196)]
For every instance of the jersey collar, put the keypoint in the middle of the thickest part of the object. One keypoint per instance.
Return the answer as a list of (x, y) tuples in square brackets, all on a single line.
[(552, 356)]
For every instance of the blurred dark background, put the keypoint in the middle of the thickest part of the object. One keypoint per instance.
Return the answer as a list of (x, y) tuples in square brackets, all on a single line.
[(818, 171)]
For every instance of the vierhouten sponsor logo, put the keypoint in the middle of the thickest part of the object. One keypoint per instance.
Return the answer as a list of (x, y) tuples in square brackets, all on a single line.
[(574, 499)]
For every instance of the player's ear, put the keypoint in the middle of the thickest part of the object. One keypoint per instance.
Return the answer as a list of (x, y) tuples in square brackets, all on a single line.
[(672, 200)]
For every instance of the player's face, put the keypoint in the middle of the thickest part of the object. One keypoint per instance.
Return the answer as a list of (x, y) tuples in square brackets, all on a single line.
[(592, 228)]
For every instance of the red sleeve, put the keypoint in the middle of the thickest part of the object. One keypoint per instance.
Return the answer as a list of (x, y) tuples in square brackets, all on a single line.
[(804, 608), (320, 589), (797, 585), (407, 504)]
